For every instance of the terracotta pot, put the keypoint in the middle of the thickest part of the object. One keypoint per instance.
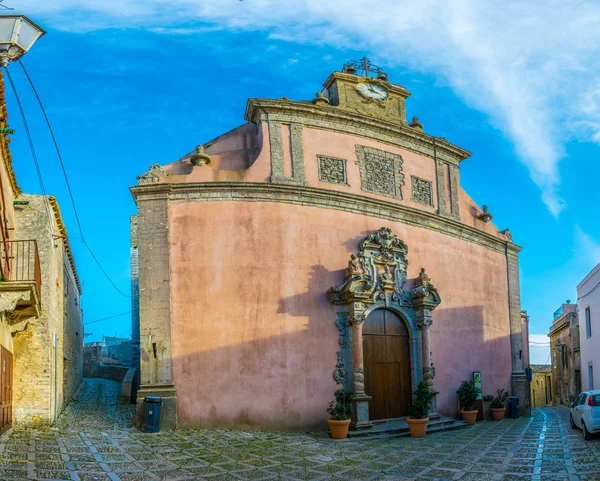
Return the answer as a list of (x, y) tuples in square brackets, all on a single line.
[(469, 416), (338, 429), (417, 427), (497, 414)]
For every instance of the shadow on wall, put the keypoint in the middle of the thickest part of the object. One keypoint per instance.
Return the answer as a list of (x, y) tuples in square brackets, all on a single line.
[(461, 344), (284, 382), (280, 382)]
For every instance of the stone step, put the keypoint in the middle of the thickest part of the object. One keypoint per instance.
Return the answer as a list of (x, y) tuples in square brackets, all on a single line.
[(399, 427)]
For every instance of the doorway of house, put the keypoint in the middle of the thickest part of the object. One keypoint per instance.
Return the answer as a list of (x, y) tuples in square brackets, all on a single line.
[(386, 360), (6, 389)]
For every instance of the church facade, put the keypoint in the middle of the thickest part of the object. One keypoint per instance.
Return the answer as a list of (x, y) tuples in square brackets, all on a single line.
[(321, 244)]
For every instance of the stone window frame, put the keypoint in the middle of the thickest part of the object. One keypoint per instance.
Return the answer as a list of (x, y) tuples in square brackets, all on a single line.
[(398, 178), (412, 186), (344, 163)]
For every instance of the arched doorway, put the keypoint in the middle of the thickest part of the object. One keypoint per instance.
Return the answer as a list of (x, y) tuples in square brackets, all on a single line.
[(386, 364)]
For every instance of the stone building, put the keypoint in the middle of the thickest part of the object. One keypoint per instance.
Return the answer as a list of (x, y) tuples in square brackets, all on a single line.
[(541, 385), (40, 315), (321, 244), (564, 351), (588, 295), (49, 348), (525, 331)]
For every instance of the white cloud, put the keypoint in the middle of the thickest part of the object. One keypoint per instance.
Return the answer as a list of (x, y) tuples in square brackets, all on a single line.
[(586, 249), (531, 66)]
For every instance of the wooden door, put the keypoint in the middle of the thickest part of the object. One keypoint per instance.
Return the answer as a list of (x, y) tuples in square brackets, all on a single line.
[(387, 364), (6, 389)]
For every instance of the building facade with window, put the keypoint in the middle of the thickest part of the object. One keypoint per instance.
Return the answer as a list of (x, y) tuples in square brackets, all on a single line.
[(49, 348), (40, 313), (321, 244), (564, 352), (541, 385), (588, 293)]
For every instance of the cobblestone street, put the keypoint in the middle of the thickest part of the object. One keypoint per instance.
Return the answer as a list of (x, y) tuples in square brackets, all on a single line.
[(94, 440)]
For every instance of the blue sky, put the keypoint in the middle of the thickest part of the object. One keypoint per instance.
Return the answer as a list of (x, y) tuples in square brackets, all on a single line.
[(130, 83)]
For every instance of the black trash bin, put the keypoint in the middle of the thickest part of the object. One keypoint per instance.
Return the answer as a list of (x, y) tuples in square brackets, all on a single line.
[(152, 405), (513, 407)]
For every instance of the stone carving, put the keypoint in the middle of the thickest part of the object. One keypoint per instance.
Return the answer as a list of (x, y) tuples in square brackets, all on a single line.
[(379, 269), (359, 380), (422, 191), (387, 279), (353, 268), (332, 170), (199, 157), (507, 233), (153, 175), (341, 325), (320, 99), (340, 372), (375, 278), (415, 124), (380, 171), (356, 318), (423, 279), (485, 215), (425, 294)]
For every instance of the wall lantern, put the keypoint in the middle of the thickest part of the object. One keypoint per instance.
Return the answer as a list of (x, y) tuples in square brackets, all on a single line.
[(17, 34)]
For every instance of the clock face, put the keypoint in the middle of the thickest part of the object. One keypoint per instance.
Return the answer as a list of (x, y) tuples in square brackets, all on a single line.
[(372, 91)]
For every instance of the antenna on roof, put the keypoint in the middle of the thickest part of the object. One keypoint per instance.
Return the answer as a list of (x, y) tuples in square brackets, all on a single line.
[(4, 7)]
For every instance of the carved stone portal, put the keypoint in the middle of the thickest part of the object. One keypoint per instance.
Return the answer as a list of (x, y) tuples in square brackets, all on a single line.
[(375, 279)]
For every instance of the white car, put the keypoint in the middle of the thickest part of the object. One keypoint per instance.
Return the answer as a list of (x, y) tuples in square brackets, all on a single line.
[(585, 413)]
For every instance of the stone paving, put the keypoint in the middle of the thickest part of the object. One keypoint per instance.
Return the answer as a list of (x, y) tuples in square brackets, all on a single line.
[(94, 440)]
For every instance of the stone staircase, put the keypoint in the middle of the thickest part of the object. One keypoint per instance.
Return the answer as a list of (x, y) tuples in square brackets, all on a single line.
[(391, 428)]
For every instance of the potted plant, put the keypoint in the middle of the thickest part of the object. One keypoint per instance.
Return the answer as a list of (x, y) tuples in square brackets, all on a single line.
[(467, 395), (418, 411), (340, 410), (498, 404)]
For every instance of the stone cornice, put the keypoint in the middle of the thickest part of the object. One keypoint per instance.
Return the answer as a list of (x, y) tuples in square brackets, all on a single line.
[(63, 232), (327, 199), (333, 118)]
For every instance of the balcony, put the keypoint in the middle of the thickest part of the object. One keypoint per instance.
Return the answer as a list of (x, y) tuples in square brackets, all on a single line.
[(20, 280)]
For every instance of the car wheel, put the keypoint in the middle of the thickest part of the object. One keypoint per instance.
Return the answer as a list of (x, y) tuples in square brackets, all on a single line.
[(572, 422), (586, 434)]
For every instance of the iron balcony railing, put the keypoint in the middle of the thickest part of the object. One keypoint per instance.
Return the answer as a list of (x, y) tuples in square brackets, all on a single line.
[(20, 262)]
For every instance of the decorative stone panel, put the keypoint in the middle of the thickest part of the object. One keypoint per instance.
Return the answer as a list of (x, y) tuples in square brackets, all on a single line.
[(380, 171), (332, 170), (422, 191)]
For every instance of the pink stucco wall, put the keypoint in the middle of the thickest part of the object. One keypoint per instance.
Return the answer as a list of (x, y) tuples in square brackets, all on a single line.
[(243, 155), (253, 334)]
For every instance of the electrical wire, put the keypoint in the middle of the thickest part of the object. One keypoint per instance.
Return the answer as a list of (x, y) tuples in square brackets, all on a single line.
[(32, 148), (106, 318), (590, 291), (62, 165)]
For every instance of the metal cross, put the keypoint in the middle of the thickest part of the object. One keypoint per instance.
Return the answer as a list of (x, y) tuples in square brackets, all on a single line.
[(365, 65)]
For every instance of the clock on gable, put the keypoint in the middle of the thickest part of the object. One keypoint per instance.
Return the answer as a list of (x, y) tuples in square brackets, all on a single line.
[(371, 96), (372, 92)]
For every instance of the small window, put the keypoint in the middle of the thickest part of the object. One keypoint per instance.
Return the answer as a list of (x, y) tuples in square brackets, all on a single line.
[(588, 322), (590, 377), (583, 399), (576, 403)]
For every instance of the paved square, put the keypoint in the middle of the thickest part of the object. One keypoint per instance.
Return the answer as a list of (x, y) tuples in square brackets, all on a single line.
[(94, 440)]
